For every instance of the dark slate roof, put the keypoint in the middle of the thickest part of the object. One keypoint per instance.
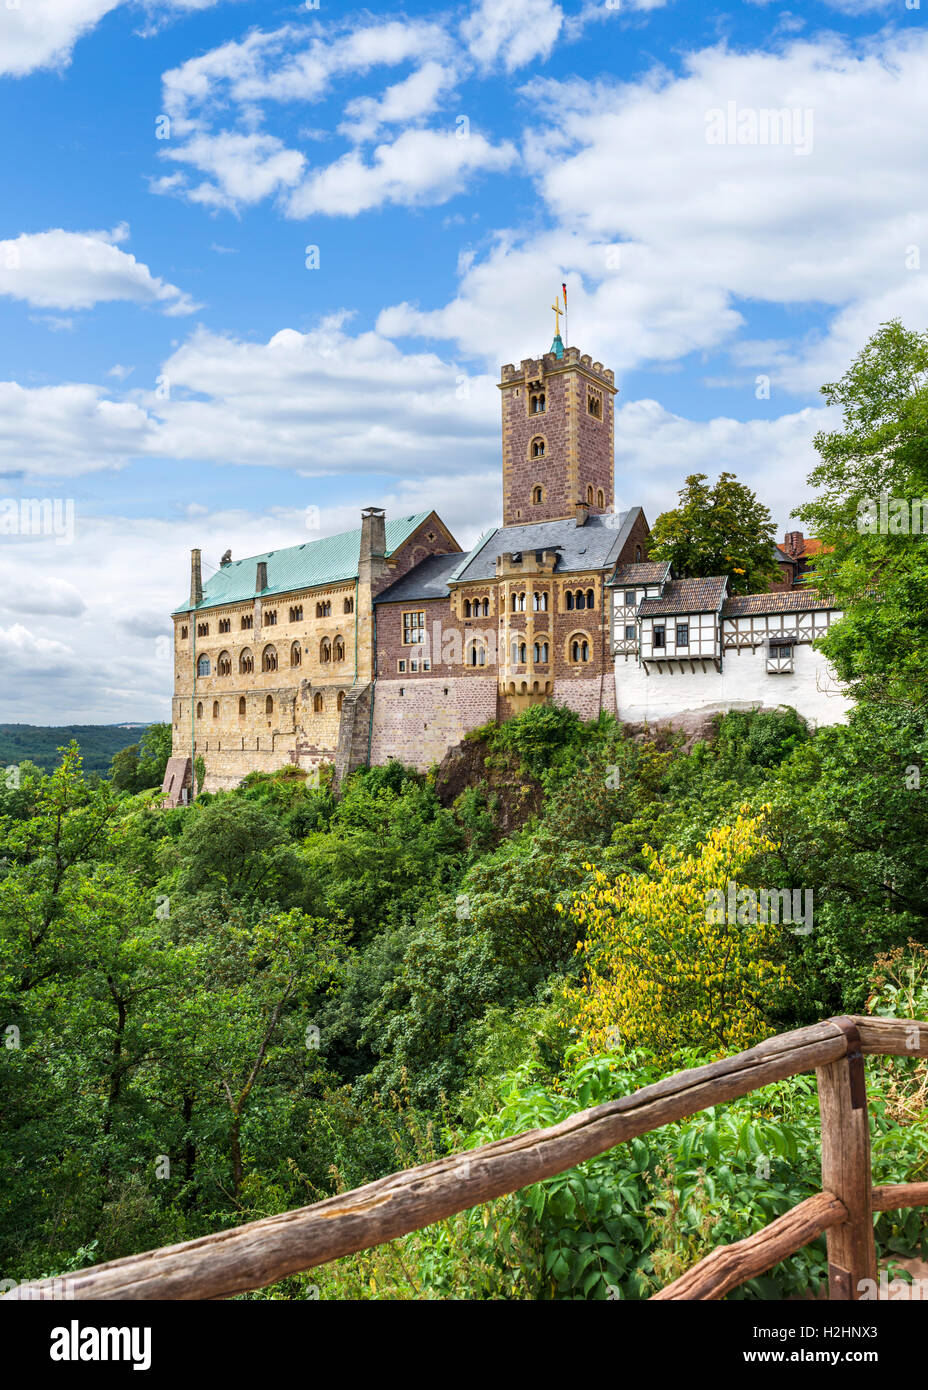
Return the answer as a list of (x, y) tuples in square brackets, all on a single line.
[(687, 596), (647, 572), (329, 560), (783, 557), (594, 546), (791, 601), (428, 579)]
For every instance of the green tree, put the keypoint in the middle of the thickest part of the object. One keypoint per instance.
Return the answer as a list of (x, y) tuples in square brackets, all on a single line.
[(720, 529), (877, 568)]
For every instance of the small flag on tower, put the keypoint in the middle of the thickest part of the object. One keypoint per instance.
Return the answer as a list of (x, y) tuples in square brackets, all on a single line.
[(564, 288)]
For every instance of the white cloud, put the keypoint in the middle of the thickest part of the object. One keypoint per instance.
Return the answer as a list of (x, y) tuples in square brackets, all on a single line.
[(665, 239), (76, 270), (42, 33), (246, 168), (416, 96), (419, 167), (512, 32), (67, 430)]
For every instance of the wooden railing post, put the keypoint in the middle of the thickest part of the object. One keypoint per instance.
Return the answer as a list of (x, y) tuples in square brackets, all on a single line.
[(842, 1099)]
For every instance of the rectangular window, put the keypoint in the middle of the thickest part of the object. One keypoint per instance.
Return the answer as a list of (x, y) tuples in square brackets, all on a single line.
[(426, 664), (630, 599), (413, 629), (413, 665), (683, 634), (629, 633), (401, 666), (658, 636)]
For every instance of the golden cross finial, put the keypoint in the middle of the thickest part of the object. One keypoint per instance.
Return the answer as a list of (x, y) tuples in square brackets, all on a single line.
[(556, 306)]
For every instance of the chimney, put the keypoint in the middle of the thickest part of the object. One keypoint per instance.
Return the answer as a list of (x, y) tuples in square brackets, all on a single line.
[(793, 543), (196, 579), (582, 511), (261, 577), (372, 561)]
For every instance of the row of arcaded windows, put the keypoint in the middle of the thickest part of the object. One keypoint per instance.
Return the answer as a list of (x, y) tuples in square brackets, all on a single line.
[(268, 618), (579, 598), (539, 602), (578, 651), (519, 653), (318, 705), (328, 651), (480, 607)]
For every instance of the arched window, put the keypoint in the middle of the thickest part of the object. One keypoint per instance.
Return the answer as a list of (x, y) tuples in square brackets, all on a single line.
[(590, 599), (514, 651), (523, 653), (269, 618), (246, 662), (521, 603), (538, 496), (248, 622), (486, 607), (269, 705), (241, 707), (269, 659), (199, 709), (340, 700), (589, 494), (203, 666), (537, 403), (318, 703), (637, 554), (515, 603), (349, 605), (600, 498), (540, 602), (202, 629), (338, 651), (224, 664), (477, 654), (215, 709), (538, 448), (579, 648), (570, 600), (296, 613), (324, 610), (325, 650), (183, 634), (540, 653), (467, 608), (579, 599), (296, 654)]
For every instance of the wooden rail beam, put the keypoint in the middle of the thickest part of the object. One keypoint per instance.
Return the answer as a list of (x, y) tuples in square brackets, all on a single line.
[(900, 1195), (262, 1252), (730, 1265)]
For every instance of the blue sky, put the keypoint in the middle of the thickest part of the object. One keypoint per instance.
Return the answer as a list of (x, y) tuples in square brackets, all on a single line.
[(171, 366)]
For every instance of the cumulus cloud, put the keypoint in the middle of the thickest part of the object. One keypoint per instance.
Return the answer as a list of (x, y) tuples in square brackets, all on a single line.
[(42, 33), (76, 270), (419, 167), (666, 238), (512, 32)]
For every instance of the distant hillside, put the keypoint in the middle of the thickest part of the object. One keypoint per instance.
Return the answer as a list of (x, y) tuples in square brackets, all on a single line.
[(39, 743)]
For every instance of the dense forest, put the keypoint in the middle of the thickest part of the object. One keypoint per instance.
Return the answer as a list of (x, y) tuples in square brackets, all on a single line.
[(41, 744), (220, 1012)]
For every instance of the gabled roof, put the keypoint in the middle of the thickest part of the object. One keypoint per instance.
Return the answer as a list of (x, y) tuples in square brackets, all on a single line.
[(594, 546), (792, 601), (429, 579), (646, 572), (687, 596), (330, 560)]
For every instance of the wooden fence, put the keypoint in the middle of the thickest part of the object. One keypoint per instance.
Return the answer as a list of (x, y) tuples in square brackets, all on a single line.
[(259, 1253)]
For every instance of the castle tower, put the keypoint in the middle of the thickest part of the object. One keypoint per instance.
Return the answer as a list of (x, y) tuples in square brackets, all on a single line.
[(558, 436)]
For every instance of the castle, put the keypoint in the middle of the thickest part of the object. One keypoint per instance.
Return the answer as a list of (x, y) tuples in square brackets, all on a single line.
[(389, 641)]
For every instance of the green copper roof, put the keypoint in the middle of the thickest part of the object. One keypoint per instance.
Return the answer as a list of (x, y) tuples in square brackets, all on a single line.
[(557, 347), (327, 561)]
